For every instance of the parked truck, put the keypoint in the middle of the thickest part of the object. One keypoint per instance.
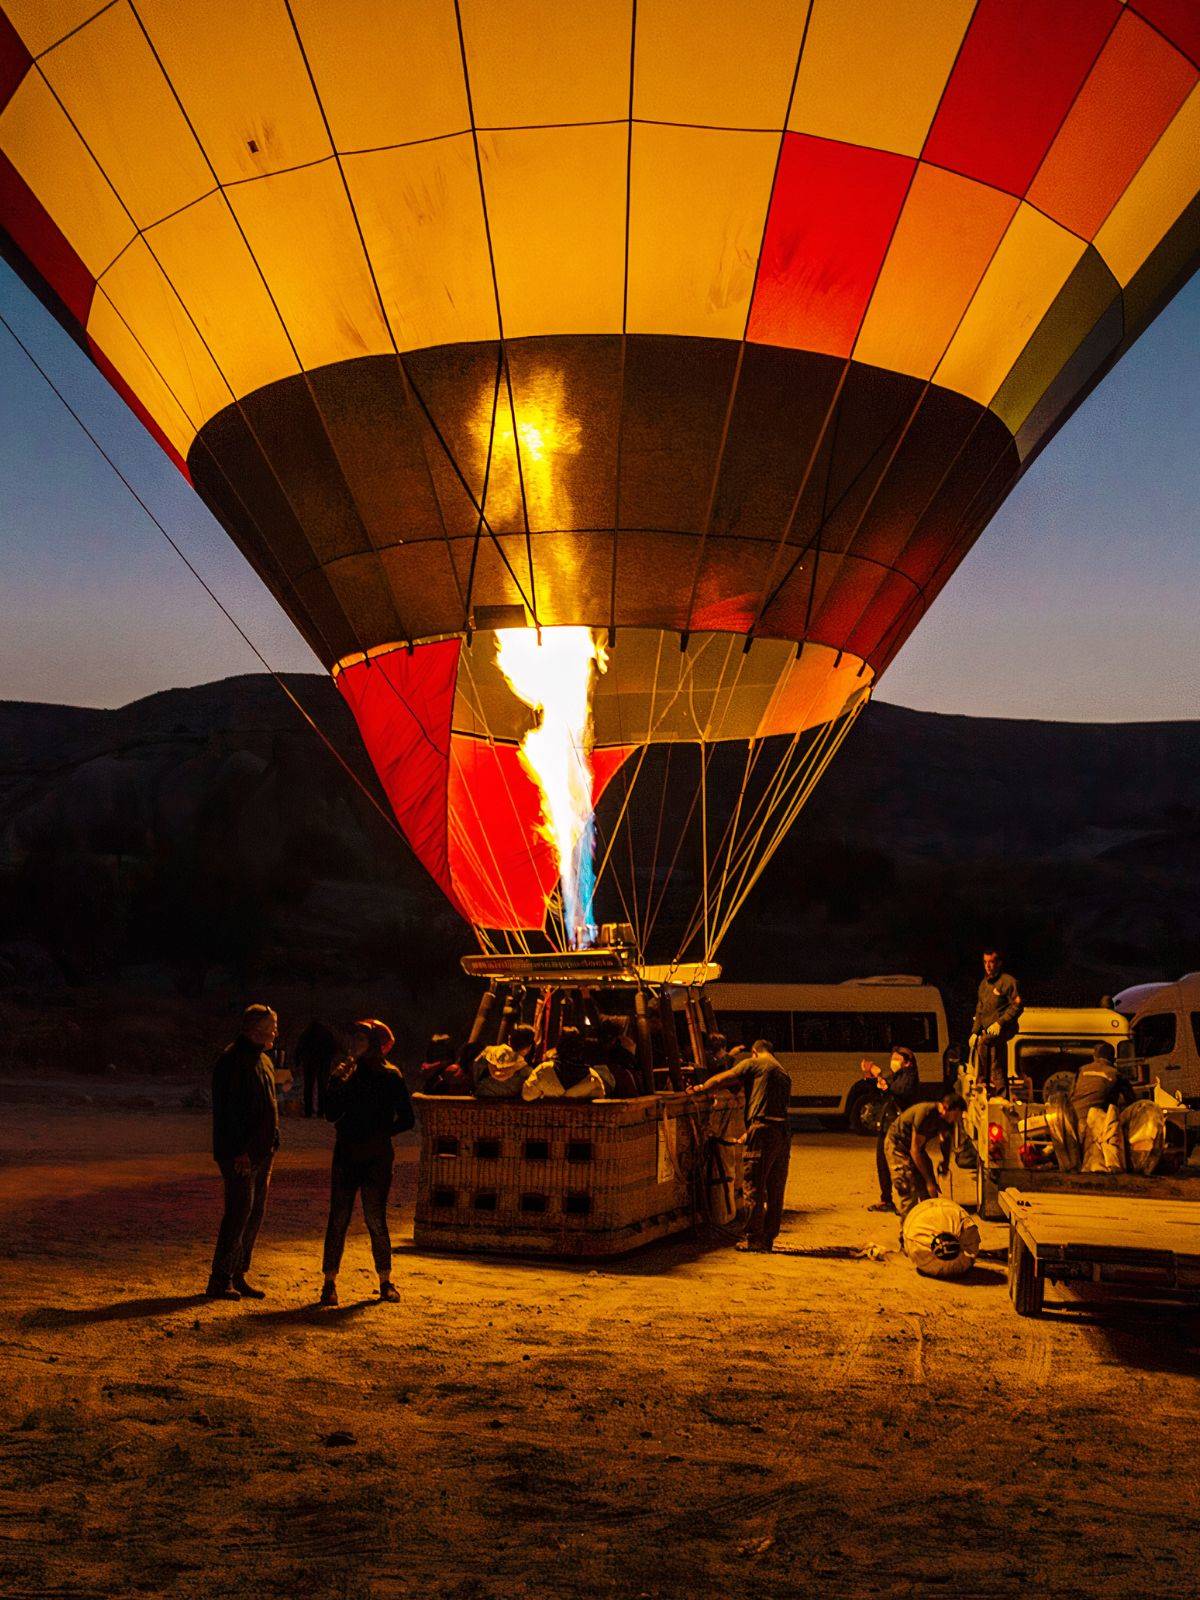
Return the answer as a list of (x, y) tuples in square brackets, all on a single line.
[(1008, 1138)]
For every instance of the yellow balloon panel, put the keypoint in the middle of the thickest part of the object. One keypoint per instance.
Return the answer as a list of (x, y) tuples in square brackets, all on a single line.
[(301, 231), (110, 333), (413, 86), (1156, 196), (698, 202), (556, 204), (38, 139), (42, 23), (947, 233), (238, 71), (698, 62), (142, 297), (873, 71), (212, 271), (115, 93), (543, 61), (423, 224), (1034, 260)]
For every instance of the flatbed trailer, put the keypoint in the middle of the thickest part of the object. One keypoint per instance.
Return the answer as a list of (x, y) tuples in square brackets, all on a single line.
[(1147, 1248)]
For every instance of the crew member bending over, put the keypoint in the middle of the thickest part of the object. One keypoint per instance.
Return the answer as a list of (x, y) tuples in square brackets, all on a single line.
[(907, 1144)]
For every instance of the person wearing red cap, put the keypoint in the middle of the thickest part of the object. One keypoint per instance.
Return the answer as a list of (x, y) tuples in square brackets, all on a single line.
[(368, 1103)]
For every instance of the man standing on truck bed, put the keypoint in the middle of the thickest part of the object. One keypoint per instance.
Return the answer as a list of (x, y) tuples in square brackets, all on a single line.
[(907, 1144), (768, 1089), (996, 1011)]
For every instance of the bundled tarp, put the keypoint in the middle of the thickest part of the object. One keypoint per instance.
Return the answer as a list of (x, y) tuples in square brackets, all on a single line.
[(1103, 1141), (1145, 1129), (1064, 1133), (941, 1240)]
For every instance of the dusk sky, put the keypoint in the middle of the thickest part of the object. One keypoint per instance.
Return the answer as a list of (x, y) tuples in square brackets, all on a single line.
[(1079, 602)]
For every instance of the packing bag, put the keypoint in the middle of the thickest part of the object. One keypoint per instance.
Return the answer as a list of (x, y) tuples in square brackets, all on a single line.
[(1103, 1142), (1064, 1135), (1144, 1127), (941, 1240)]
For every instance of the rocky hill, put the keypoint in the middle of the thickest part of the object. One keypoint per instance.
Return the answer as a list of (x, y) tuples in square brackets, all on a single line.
[(205, 838)]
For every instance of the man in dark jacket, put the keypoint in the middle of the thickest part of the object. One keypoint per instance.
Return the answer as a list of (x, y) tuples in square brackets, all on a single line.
[(367, 1102), (995, 1021), (768, 1090), (899, 1083), (245, 1139)]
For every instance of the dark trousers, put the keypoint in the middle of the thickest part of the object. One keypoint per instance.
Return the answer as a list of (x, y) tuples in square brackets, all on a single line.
[(372, 1177), (316, 1078), (764, 1177), (991, 1058), (245, 1202), (888, 1115)]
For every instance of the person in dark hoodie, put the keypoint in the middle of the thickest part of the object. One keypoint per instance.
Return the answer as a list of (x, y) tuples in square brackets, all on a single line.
[(899, 1083), (245, 1139), (367, 1102)]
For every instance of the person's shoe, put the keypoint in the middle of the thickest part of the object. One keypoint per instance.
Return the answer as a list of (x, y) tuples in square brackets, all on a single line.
[(328, 1295), (881, 1205), (389, 1291), (248, 1291), (752, 1245), (220, 1291)]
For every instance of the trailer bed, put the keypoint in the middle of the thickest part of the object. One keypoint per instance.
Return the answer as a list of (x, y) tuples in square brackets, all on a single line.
[(1145, 1246)]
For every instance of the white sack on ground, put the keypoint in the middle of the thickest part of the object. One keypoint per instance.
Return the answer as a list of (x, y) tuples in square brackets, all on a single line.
[(941, 1239)]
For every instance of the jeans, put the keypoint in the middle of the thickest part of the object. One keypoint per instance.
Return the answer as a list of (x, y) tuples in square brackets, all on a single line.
[(316, 1078), (764, 1177), (991, 1057), (372, 1175), (245, 1202)]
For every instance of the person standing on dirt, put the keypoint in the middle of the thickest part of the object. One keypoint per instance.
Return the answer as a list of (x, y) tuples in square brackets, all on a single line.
[(245, 1139), (367, 1102), (315, 1051), (906, 1146), (768, 1145), (899, 1083), (997, 1008)]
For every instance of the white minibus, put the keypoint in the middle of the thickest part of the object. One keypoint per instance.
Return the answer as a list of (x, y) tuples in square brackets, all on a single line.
[(822, 1032)]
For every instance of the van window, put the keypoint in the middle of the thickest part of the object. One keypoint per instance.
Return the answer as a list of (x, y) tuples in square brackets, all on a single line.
[(1154, 1036), (817, 1031), (744, 1027)]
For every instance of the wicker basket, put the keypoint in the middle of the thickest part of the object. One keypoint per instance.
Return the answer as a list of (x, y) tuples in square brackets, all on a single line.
[(561, 1178)]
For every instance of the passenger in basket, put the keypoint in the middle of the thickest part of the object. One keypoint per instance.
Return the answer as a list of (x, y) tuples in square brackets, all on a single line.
[(767, 1090), (499, 1072), (906, 1145), (899, 1083), (615, 1060), (367, 1102), (564, 1074), (440, 1070)]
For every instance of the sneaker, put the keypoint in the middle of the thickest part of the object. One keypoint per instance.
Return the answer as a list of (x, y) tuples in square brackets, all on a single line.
[(881, 1205), (248, 1291), (220, 1291), (328, 1295), (753, 1245), (389, 1291)]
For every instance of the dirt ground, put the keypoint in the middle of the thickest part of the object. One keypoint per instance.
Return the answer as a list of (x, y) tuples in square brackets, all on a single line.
[(691, 1421)]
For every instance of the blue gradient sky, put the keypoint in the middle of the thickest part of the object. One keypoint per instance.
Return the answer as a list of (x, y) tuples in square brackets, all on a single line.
[(1080, 601)]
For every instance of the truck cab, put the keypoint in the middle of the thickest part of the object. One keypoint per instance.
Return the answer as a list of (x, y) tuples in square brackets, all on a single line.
[(1005, 1136)]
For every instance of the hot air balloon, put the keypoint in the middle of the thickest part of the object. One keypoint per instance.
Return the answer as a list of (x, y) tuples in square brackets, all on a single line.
[(692, 344)]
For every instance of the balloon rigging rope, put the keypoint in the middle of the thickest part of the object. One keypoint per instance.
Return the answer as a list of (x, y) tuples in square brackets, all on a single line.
[(200, 579)]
